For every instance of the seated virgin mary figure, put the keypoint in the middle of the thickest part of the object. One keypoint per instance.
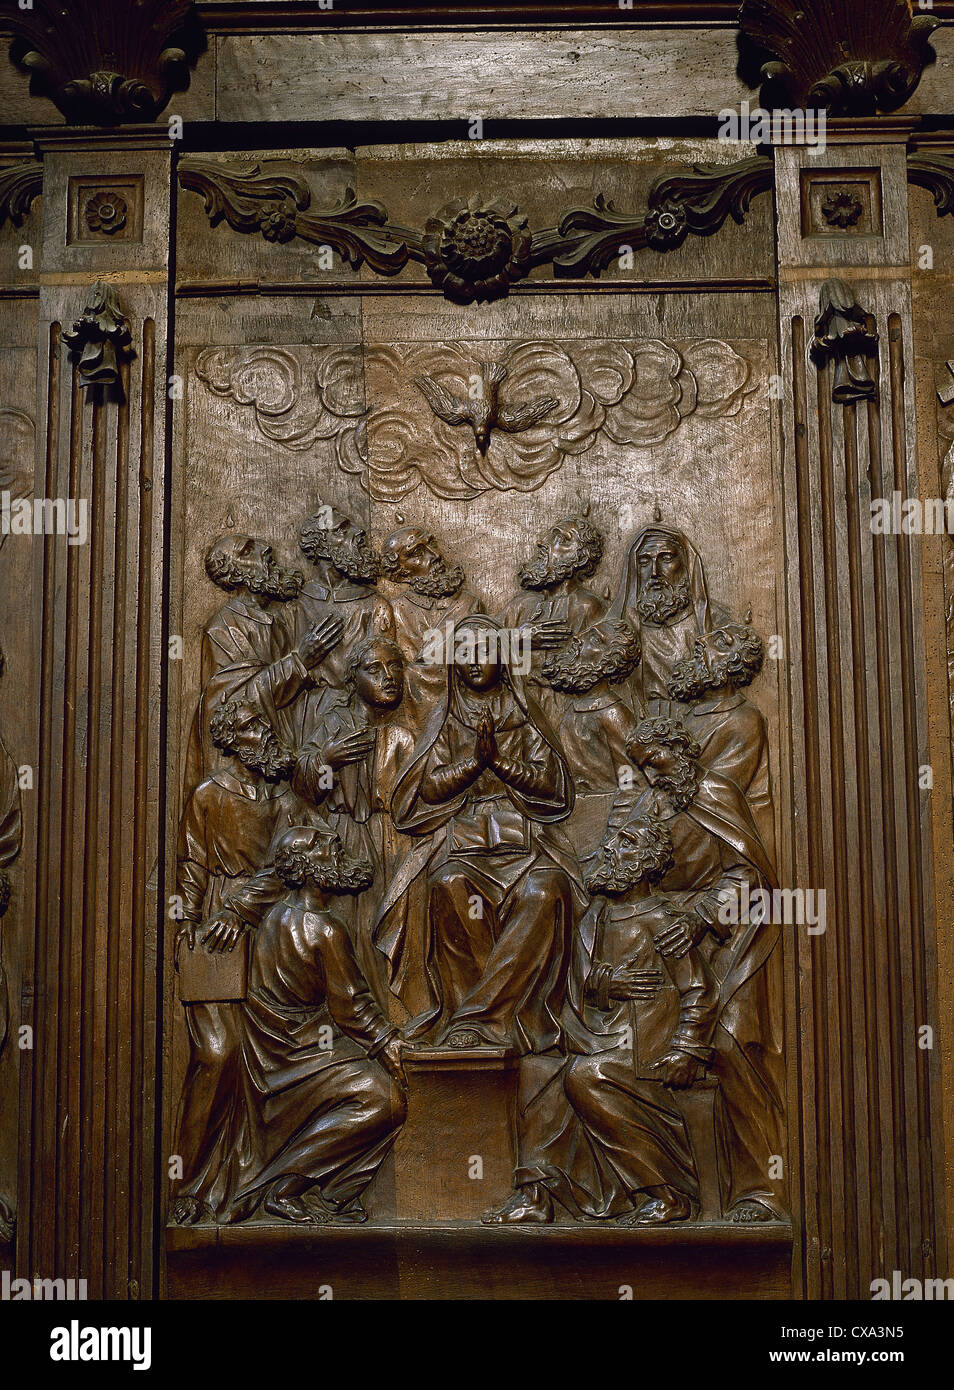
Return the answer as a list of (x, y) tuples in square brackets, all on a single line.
[(483, 792)]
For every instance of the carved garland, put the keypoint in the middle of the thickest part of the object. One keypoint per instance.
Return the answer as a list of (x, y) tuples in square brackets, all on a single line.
[(474, 249)]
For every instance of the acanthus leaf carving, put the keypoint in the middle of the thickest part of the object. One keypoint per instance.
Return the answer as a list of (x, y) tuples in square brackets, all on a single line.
[(850, 59), (20, 185), (474, 248), (252, 199)]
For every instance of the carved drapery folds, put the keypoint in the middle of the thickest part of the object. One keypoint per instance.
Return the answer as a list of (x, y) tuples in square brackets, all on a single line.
[(104, 62), (843, 335), (473, 248), (350, 794), (851, 59), (100, 338)]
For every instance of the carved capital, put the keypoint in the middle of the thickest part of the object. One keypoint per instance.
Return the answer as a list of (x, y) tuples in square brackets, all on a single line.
[(100, 338), (104, 62), (843, 336), (851, 59)]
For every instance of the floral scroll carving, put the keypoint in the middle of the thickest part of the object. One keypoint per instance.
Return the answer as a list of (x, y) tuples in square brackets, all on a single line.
[(475, 249)]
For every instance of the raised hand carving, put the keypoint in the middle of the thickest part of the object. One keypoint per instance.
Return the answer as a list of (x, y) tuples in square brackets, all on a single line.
[(406, 796), (482, 794)]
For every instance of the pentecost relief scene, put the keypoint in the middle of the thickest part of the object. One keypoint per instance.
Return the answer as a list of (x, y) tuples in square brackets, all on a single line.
[(477, 795), (476, 657)]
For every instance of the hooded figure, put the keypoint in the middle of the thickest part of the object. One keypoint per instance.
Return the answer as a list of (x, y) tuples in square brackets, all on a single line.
[(663, 595), (484, 789)]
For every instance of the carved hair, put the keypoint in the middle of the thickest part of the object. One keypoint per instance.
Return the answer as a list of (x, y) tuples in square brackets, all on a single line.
[(744, 662), (619, 657), (358, 653), (221, 566), (669, 732), (591, 542), (222, 724), (339, 873)]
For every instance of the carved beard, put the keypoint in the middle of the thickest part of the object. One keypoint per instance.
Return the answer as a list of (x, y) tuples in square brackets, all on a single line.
[(271, 581), (272, 758), (541, 574), (659, 600), (611, 875), (680, 788), (439, 582), (570, 674), (615, 873), (690, 678), (355, 559), (342, 875)]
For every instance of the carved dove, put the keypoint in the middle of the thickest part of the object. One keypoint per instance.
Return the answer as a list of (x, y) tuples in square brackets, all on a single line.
[(485, 412)]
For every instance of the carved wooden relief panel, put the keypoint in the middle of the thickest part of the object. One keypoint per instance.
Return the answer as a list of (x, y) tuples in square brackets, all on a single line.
[(476, 773), (476, 759)]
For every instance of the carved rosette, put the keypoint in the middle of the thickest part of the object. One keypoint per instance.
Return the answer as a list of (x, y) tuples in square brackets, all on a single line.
[(100, 338), (106, 212), (475, 250), (104, 62), (848, 58), (841, 208)]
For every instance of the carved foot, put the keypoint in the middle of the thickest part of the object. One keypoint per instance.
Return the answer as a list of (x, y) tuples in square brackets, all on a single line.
[(188, 1211), (666, 1206), (463, 1037), (350, 1214), (529, 1205), (746, 1213), (294, 1209)]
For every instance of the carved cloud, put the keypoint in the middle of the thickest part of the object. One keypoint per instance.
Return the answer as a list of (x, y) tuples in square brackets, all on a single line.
[(386, 433)]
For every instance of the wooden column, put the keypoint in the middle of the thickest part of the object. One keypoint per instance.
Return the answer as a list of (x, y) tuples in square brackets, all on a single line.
[(869, 1118), (88, 1090)]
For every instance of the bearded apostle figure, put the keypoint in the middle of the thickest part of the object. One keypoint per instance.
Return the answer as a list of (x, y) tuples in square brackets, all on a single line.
[(484, 791), (663, 595), (433, 594)]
